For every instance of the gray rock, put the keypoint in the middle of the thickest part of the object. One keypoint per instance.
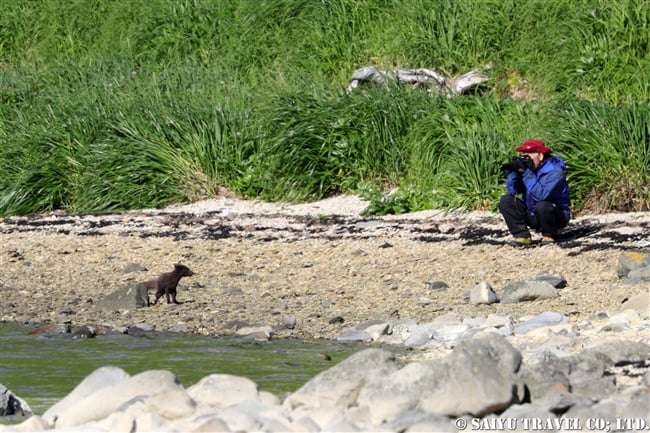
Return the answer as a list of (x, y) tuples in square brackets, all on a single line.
[(437, 285), (529, 413), (483, 293), (182, 328), (451, 332), (638, 275), (134, 267), (147, 327), (478, 378), (560, 402), (125, 298), (541, 377), (420, 336), (556, 280), (11, 404), (84, 332), (418, 421), (340, 385), (640, 303), (353, 336), (520, 291), (548, 318), (623, 352), (290, 322), (587, 375), (631, 260)]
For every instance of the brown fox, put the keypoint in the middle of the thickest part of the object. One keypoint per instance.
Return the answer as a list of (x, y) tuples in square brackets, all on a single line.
[(166, 283)]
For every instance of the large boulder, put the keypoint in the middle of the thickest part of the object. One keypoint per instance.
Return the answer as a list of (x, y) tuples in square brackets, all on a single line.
[(477, 378), (520, 291), (140, 389), (11, 404), (341, 384), (128, 297)]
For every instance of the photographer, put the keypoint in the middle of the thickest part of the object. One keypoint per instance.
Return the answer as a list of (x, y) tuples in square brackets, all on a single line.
[(540, 178)]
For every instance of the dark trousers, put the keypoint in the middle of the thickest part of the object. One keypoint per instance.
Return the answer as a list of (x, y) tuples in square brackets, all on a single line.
[(548, 218)]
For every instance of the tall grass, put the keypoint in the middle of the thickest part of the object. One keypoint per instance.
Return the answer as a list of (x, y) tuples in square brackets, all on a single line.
[(120, 104), (608, 152)]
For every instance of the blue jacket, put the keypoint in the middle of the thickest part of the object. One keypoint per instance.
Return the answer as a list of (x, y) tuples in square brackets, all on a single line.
[(548, 183)]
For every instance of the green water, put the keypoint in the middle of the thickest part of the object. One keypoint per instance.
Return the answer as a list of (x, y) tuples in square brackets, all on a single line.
[(42, 370)]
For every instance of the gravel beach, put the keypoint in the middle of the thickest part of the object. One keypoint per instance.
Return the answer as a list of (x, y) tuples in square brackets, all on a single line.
[(320, 264)]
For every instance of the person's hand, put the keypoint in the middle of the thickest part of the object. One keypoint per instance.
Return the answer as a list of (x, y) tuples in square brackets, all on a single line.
[(518, 164)]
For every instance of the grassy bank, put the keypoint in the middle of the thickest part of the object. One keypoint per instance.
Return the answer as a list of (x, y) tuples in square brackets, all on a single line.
[(123, 104)]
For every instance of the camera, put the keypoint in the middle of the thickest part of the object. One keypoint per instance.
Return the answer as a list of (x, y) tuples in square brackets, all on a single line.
[(519, 163)]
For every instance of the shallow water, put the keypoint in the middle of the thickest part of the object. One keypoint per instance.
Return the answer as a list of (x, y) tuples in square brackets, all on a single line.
[(43, 369)]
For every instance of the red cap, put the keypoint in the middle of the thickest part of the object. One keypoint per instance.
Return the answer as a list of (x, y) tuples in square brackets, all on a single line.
[(533, 146)]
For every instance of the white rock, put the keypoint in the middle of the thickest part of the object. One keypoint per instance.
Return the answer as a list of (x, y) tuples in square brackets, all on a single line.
[(483, 293), (106, 400), (223, 390), (202, 423), (101, 378), (171, 404), (32, 424)]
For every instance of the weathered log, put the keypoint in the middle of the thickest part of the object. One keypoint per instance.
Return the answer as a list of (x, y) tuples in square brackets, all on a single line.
[(420, 77)]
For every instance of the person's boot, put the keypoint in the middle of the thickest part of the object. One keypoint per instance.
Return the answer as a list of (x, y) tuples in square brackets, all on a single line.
[(522, 242)]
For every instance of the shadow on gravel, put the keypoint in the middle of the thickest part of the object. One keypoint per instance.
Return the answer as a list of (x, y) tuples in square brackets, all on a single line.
[(583, 235)]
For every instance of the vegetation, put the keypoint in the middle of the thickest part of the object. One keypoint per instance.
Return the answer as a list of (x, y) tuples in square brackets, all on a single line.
[(112, 105)]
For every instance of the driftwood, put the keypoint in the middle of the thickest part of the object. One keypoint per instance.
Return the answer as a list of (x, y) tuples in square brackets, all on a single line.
[(420, 77)]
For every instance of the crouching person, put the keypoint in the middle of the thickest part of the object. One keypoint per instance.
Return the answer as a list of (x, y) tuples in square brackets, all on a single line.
[(539, 177)]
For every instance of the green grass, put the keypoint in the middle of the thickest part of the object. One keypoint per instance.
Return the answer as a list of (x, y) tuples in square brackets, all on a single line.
[(108, 105)]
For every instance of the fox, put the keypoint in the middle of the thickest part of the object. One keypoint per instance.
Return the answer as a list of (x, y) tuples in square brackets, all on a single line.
[(166, 284)]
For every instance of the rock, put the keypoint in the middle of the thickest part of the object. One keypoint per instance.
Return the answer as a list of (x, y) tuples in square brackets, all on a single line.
[(479, 379), (290, 322), (542, 377), (11, 404), (182, 328), (32, 424), (557, 281), (341, 384), (257, 333), (420, 336), (84, 332), (520, 291), (483, 293), (587, 375), (106, 400), (640, 303), (125, 298), (548, 318), (622, 352), (638, 275), (99, 379), (354, 336), (450, 332), (134, 267), (437, 285), (630, 261), (223, 390)]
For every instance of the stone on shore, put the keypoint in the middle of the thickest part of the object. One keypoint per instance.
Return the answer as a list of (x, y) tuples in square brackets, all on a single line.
[(520, 291), (340, 385), (483, 293), (11, 404), (548, 318), (128, 297)]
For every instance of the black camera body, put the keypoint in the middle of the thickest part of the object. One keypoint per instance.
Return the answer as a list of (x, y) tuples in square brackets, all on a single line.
[(519, 164)]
